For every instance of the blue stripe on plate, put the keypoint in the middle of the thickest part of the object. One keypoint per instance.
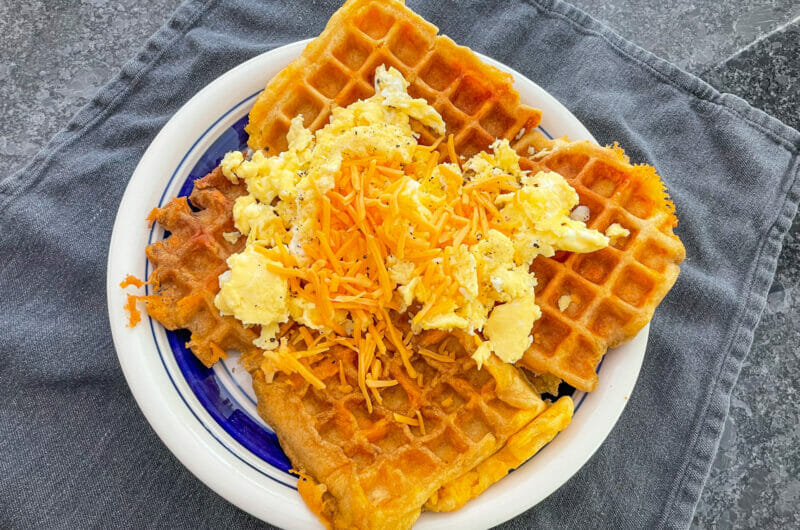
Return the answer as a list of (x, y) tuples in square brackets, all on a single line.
[(226, 411), (224, 367)]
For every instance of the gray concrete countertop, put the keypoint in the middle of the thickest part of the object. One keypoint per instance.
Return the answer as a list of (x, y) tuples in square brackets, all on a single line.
[(55, 55)]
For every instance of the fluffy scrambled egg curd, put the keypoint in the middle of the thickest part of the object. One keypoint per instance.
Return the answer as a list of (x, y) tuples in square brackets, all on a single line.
[(358, 224)]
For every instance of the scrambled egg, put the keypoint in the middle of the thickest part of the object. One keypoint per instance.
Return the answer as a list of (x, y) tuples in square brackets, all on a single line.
[(253, 294), (563, 302), (493, 288), (617, 231)]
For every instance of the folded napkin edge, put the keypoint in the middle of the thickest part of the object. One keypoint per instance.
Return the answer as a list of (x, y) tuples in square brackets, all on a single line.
[(702, 448)]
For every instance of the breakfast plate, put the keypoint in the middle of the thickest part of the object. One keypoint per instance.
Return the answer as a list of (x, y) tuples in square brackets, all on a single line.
[(207, 416)]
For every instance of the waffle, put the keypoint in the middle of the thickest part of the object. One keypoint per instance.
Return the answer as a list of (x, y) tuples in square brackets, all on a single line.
[(371, 471), (519, 448), (613, 291), (476, 101), (186, 266)]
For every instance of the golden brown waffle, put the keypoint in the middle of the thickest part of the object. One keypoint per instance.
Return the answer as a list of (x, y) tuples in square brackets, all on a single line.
[(477, 101), (186, 266), (613, 291), (519, 448), (372, 471)]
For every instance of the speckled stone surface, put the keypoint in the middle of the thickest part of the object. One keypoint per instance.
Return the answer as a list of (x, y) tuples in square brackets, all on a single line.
[(766, 74), (692, 34), (55, 55)]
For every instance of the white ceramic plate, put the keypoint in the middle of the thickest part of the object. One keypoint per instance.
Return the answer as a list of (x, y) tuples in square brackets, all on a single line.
[(207, 417)]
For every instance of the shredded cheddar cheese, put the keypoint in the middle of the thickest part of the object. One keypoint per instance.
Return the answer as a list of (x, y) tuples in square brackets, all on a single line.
[(131, 280), (134, 316), (400, 418), (364, 237)]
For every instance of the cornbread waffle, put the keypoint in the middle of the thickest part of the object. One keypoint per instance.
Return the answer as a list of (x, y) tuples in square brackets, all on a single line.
[(476, 101), (613, 292), (371, 470), (186, 266), (519, 448)]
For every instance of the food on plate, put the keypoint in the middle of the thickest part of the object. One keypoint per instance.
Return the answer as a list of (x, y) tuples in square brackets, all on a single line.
[(406, 263), (438, 425), (376, 469), (527, 441), (358, 221), (612, 293)]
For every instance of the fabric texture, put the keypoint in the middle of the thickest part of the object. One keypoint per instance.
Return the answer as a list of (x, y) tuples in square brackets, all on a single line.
[(75, 451)]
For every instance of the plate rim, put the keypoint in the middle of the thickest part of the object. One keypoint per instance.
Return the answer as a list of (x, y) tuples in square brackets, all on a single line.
[(183, 441)]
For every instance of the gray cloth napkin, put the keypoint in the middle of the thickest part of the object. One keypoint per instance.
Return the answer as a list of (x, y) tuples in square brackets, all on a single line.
[(76, 452)]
